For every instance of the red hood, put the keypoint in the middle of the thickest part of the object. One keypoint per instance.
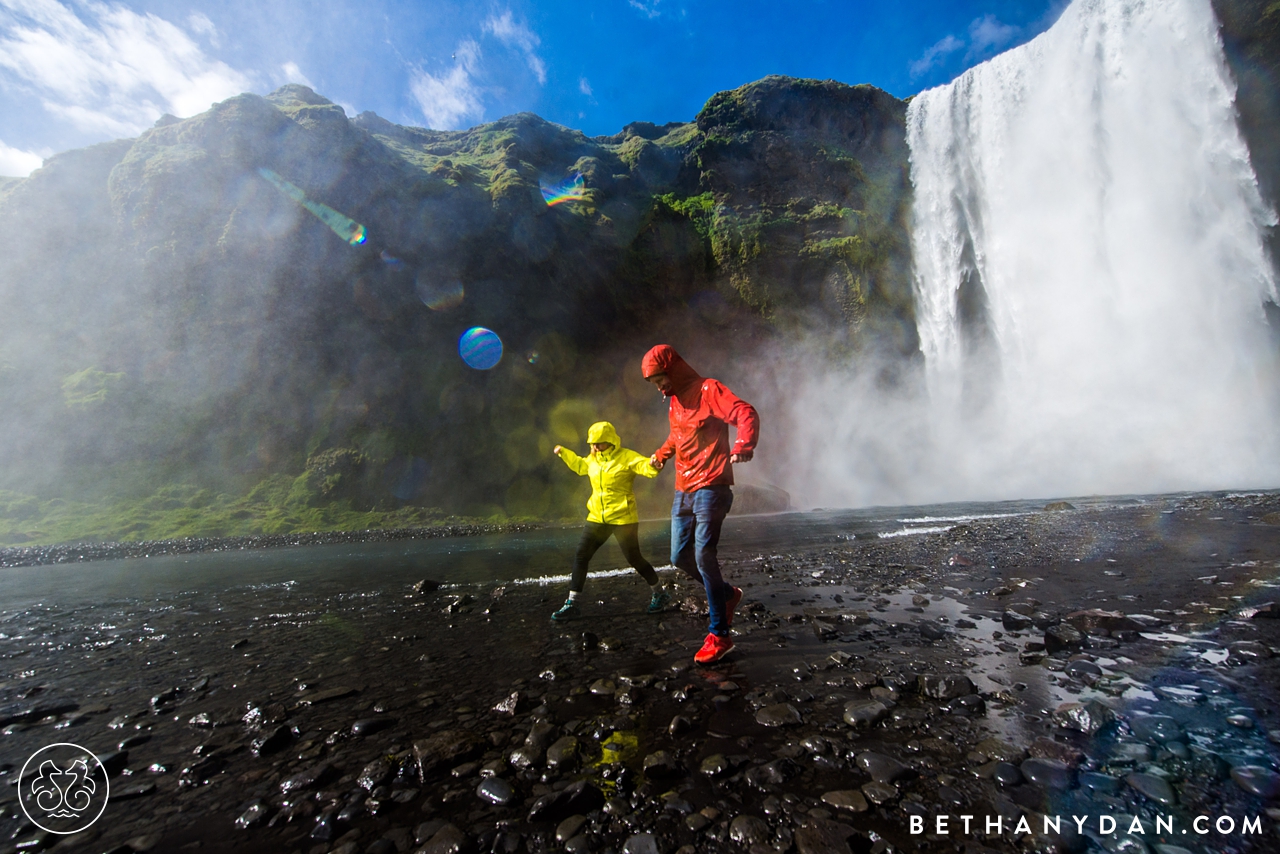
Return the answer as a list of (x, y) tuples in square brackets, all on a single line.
[(663, 359)]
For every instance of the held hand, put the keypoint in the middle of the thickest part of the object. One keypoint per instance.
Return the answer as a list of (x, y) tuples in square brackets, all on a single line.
[(742, 457), (655, 462)]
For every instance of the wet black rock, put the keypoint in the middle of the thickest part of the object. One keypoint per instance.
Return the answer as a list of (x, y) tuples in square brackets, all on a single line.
[(661, 764), (780, 714), (1087, 718), (496, 791), (849, 800), (861, 714), (824, 836), (510, 705), (445, 749), (1257, 780), (1155, 728), (882, 768), (277, 739), (1243, 652), (1048, 773), (931, 630), (747, 830), (642, 843), (425, 586), (946, 687), (254, 815), (1063, 636), (1152, 787), (680, 725), (1015, 622), (563, 753), (1006, 774), (368, 726), (578, 798), (309, 779), (448, 840), (1103, 784), (772, 774)]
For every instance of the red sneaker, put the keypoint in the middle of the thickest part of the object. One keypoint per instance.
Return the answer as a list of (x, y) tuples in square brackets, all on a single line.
[(731, 604), (713, 649)]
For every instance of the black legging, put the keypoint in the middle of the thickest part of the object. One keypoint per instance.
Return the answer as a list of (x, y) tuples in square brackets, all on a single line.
[(594, 536)]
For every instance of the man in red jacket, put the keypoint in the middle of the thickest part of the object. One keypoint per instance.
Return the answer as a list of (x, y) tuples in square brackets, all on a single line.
[(700, 411)]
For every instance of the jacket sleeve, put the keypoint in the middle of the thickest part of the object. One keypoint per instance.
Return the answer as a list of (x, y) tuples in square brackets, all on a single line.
[(573, 461), (731, 409), (667, 450), (640, 464)]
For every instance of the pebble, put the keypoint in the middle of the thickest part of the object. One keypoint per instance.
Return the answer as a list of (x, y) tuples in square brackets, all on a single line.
[(862, 715), (883, 769), (850, 800), (1257, 780), (781, 714), (1048, 773), (1153, 787), (747, 830), (642, 843), (880, 793), (496, 790)]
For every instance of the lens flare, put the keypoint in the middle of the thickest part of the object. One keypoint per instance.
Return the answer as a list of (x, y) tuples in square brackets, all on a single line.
[(480, 348), (570, 190), (437, 295), (348, 229), (390, 260), (532, 358)]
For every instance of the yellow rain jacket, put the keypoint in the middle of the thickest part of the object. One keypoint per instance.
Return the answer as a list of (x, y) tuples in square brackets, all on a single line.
[(612, 502)]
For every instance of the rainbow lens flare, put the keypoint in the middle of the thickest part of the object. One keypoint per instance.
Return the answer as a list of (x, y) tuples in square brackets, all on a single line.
[(570, 190), (439, 295), (480, 348), (346, 228)]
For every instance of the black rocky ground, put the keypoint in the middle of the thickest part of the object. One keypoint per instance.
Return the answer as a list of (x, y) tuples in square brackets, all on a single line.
[(1115, 664)]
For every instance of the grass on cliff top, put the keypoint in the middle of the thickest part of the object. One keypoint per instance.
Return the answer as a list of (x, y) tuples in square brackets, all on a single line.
[(178, 512)]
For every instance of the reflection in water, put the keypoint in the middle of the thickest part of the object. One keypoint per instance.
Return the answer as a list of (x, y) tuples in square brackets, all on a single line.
[(346, 228)]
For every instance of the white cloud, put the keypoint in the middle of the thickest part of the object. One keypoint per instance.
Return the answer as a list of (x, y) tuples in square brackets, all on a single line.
[(584, 87), (16, 163), (450, 99), (648, 8), (519, 36), (293, 74), (109, 70), (946, 46), (987, 35), (199, 23)]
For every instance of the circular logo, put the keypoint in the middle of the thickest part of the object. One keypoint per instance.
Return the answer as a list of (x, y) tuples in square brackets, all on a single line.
[(63, 788)]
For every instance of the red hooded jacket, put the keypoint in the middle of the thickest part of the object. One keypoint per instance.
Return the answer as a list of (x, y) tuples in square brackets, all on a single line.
[(700, 411)]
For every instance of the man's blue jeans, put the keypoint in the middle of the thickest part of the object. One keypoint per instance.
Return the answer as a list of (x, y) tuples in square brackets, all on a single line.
[(696, 519)]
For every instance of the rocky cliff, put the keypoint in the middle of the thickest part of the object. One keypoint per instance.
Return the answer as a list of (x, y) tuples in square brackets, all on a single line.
[(264, 301)]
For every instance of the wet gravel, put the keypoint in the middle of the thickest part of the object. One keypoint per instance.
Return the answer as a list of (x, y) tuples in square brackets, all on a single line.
[(1112, 665)]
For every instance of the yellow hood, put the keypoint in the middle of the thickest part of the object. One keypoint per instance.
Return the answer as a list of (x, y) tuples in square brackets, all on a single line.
[(602, 431)]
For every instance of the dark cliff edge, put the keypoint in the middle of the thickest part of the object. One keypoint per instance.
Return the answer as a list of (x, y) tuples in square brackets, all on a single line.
[(189, 351)]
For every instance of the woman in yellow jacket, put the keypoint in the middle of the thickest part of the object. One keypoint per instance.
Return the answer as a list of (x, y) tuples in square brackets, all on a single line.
[(611, 511)]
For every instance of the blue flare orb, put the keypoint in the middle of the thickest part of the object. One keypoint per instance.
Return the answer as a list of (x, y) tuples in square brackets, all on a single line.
[(480, 348)]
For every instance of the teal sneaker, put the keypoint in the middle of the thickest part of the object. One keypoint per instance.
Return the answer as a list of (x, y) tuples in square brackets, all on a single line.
[(658, 603), (567, 612)]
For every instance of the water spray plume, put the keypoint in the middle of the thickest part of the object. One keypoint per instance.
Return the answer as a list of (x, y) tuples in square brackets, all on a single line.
[(1091, 277), (346, 228)]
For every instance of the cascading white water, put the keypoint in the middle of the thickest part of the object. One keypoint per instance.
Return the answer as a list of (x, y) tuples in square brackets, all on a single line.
[(1095, 181)]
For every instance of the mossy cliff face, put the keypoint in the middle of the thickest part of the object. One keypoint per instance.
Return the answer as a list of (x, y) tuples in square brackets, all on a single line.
[(174, 321)]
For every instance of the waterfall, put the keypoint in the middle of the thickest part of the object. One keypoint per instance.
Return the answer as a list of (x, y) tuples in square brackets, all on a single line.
[(1090, 266)]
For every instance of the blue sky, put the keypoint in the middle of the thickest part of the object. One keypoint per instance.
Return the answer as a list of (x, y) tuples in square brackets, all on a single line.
[(77, 72)]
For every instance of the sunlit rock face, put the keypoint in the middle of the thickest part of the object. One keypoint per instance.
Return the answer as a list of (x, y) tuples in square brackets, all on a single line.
[(230, 295)]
